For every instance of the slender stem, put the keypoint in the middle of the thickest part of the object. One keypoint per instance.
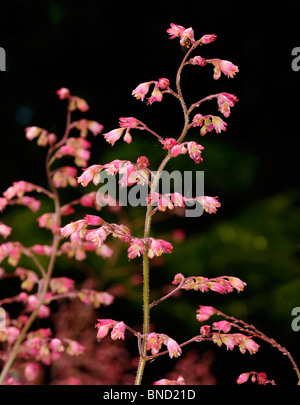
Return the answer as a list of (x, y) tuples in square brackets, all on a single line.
[(149, 213), (264, 337)]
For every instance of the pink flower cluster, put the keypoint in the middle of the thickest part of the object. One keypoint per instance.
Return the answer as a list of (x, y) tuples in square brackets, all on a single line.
[(209, 204), (131, 172), (175, 149), (260, 378), (222, 285), (156, 247), (142, 89), (155, 342), (104, 326)]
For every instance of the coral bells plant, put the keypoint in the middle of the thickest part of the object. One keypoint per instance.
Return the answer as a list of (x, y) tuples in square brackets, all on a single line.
[(22, 344)]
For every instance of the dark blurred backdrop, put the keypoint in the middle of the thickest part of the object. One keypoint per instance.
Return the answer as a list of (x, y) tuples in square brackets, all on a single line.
[(102, 50)]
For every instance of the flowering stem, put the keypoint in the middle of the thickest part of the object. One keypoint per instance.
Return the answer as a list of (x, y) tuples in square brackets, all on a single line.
[(48, 275), (265, 338), (149, 214)]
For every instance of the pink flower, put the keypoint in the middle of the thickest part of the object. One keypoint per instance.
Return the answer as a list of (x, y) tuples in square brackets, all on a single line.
[(84, 125), (141, 90), (237, 283), (205, 312), (63, 93), (158, 247), (153, 343), (175, 31), (169, 143), (243, 378), (178, 199), (187, 37), (246, 343), (165, 381), (142, 162), (228, 68), (205, 330), (218, 124), (31, 371), (60, 285), (225, 101), (194, 150), (5, 230), (118, 331), (156, 94), (223, 326), (163, 83), (128, 122), (72, 227), (206, 39), (173, 348), (103, 325), (197, 60), (65, 176), (136, 248), (90, 174), (210, 204), (97, 236), (93, 220), (73, 348), (12, 334), (114, 135), (113, 167), (79, 103)]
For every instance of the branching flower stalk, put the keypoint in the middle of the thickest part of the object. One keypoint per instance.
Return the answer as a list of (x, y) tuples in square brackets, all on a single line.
[(90, 232), (18, 333)]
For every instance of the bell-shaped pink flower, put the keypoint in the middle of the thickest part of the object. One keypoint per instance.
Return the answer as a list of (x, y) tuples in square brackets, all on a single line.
[(118, 331), (173, 348), (141, 90)]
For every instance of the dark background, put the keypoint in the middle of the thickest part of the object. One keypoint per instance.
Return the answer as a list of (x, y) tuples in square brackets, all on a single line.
[(102, 50)]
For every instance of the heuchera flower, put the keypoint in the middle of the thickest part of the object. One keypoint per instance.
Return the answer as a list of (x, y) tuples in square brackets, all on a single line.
[(164, 381), (243, 378), (205, 312), (223, 326), (96, 236), (210, 204), (208, 123), (63, 93), (175, 31), (197, 60), (65, 176), (187, 37), (84, 125), (90, 174), (154, 343), (136, 248), (118, 331), (5, 230), (103, 325), (141, 90), (194, 150), (158, 247), (206, 39), (224, 66), (173, 348), (225, 101), (72, 227)]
